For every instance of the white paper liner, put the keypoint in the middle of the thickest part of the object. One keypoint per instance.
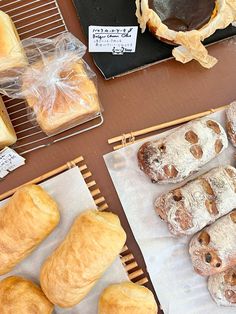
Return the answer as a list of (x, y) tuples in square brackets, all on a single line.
[(73, 197), (179, 289)]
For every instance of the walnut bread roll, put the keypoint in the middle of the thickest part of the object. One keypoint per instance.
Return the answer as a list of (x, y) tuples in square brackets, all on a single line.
[(21, 296), (231, 122), (199, 202), (176, 156), (92, 244), (222, 287), (213, 250), (11, 51), (127, 298), (25, 221)]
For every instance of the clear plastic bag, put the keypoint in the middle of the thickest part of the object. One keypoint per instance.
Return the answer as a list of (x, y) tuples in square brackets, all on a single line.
[(58, 85)]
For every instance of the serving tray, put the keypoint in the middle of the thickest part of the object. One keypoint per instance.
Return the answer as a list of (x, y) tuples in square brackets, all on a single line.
[(122, 13)]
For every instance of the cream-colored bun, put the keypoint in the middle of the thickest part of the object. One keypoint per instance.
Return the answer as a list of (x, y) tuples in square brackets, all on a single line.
[(92, 244), (65, 108), (11, 50), (7, 132), (21, 296), (26, 220), (127, 298)]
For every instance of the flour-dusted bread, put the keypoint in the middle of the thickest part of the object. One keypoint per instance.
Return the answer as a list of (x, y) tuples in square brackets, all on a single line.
[(21, 296), (26, 220), (92, 244), (174, 157), (11, 51), (231, 122), (199, 202), (213, 250), (222, 287), (127, 298), (7, 132)]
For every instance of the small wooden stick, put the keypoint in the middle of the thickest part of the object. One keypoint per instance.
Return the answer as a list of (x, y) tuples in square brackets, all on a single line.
[(95, 192), (99, 200), (131, 266), (87, 175), (91, 184), (132, 135), (125, 248), (135, 274), (103, 207), (142, 281), (45, 176), (127, 258)]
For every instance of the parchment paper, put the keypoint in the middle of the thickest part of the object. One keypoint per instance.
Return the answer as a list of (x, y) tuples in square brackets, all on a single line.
[(179, 289), (73, 197)]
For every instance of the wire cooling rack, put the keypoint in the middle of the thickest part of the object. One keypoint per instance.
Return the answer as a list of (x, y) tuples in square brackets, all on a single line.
[(37, 18)]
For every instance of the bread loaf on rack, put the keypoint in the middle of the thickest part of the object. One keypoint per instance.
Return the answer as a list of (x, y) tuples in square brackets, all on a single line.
[(21, 296), (73, 97), (25, 221), (222, 287), (92, 244), (176, 156), (127, 298), (231, 122), (213, 250), (199, 202), (7, 132), (11, 51)]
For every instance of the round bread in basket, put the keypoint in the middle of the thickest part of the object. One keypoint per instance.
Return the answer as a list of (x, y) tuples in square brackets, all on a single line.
[(186, 24)]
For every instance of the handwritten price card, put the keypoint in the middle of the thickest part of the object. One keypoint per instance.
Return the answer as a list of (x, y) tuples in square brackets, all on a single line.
[(9, 161), (114, 39)]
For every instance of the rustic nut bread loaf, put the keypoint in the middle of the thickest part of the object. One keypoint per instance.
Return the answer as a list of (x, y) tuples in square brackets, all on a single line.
[(176, 156), (199, 202), (213, 250)]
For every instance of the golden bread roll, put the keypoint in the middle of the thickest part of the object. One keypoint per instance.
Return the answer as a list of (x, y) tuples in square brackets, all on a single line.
[(21, 296), (127, 298), (90, 247), (71, 101), (7, 134), (28, 218), (11, 50)]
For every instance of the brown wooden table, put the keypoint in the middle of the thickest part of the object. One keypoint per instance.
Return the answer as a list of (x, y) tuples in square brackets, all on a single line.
[(163, 92)]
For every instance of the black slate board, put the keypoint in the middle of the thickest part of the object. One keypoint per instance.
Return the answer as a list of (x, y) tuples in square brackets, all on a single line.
[(122, 13)]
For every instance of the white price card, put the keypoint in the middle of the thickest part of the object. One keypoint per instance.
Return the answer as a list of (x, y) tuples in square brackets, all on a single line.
[(114, 39), (9, 161)]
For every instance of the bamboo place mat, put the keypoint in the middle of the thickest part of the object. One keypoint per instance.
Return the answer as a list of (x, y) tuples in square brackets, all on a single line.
[(43, 19), (135, 273), (135, 136)]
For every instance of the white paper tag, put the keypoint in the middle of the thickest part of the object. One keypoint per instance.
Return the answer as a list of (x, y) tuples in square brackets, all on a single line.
[(115, 39), (9, 161)]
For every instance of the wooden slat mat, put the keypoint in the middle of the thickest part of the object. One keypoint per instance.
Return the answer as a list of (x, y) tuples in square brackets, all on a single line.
[(135, 273)]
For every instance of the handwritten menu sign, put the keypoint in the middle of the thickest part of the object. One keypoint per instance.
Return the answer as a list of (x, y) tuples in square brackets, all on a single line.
[(9, 161), (114, 39)]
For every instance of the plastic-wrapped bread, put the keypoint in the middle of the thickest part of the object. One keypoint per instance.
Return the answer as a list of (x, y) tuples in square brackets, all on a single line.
[(21, 296), (92, 244), (26, 220), (199, 202), (11, 51), (222, 287), (213, 250), (176, 156), (231, 122), (7, 132), (127, 298)]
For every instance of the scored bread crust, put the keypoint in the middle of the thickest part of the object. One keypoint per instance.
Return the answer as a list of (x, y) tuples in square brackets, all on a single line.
[(222, 287), (199, 202), (176, 156), (213, 250)]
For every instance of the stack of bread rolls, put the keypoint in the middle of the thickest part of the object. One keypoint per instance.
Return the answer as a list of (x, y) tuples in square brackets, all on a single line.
[(204, 207)]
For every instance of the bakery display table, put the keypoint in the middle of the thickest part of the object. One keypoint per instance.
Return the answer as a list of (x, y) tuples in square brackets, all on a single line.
[(161, 93)]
